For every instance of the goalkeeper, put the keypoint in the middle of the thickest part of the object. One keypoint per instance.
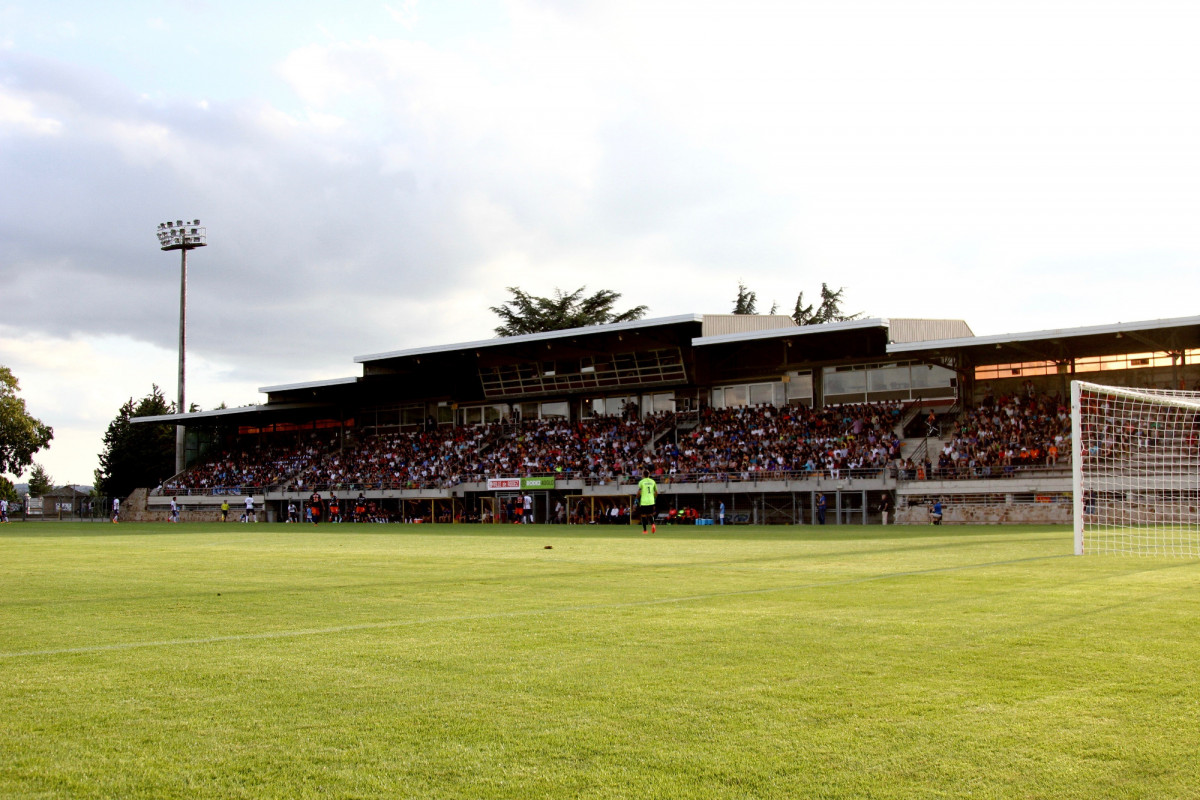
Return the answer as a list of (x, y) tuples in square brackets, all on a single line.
[(647, 495)]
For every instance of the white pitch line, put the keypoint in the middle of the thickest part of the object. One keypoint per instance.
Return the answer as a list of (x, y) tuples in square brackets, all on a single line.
[(366, 626)]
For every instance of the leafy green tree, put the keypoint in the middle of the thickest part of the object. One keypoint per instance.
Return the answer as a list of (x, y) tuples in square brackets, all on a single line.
[(39, 481), (137, 455), (526, 313), (21, 435), (746, 302), (7, 490)]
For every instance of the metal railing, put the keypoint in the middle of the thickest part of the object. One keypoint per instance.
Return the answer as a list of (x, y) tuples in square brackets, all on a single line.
[(994, 472), (208, 491)]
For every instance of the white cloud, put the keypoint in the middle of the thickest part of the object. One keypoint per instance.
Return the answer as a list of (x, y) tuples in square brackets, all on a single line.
[(19, 112), (403, 13), (1021, 166)]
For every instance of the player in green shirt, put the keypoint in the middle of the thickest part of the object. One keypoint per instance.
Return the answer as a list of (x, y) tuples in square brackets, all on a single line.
[(647, 495)]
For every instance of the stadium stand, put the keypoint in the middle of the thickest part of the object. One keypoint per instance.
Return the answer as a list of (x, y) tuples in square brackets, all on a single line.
[(727, 445), (758, 415)]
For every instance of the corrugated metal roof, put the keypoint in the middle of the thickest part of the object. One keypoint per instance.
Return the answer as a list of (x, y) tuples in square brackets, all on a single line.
[(903, 331), (794, 330), (725, 324)]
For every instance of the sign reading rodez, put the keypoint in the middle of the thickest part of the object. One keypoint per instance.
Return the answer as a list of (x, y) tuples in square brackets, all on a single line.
[(495, 484)]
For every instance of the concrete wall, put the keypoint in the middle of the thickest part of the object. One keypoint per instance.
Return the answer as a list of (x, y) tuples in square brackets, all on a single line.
[(990, 514)]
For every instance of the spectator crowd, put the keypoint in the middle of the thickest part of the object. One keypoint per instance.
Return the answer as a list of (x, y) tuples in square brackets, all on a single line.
[(1006, 434), (730, 444)]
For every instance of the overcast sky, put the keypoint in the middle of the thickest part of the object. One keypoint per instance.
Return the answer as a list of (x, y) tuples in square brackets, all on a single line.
[(373, 174)]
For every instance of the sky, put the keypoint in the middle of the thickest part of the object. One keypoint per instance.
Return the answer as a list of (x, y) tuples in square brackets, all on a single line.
[(373, 175)]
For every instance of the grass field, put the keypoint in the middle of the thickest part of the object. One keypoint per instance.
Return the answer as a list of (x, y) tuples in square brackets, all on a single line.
[(235, 661)]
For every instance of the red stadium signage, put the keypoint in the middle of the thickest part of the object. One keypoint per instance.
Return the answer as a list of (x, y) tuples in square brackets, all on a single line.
[(503, 483)]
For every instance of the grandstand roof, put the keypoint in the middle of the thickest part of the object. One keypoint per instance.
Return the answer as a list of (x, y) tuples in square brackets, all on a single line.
[(502, 341), (1161, 335), (289, 387), (230, 414), (902, 329), (721, 324), (898, 330), (687, 349), (791, 331)]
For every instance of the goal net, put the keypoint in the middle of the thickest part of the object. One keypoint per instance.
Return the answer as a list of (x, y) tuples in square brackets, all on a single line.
[(1136, 470)]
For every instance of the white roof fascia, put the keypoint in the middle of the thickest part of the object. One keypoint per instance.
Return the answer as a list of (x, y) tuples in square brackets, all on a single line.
[(222, 412), (288, 387), (1056, 333), (216, 412), (534, 337)]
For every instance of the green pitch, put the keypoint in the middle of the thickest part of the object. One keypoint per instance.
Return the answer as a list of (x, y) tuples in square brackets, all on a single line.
[(261, 661)]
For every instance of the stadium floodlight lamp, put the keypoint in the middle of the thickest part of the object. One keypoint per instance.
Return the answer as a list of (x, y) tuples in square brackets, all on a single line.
[(181, 236)]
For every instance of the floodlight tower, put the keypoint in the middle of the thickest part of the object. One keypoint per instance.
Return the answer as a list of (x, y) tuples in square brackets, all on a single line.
[(182, 236)]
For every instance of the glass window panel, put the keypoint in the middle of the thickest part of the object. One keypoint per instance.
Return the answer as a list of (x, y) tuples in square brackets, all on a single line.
[(801, 386), (615, 406), (761, 394), (472, 415), (556, 410), (780, 394), (735, 396), (718, 398), (848, 382), (929, 376), (889, 378)]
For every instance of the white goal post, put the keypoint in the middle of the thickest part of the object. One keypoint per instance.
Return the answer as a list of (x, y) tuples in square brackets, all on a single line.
[(1135, 465)]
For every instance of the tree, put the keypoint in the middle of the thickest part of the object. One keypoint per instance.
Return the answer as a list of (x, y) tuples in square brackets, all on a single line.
[(746, 302), (526, 313), (20, 434), (830, 309), (7, 490), (39, 481), (137, 455), (802, 314)]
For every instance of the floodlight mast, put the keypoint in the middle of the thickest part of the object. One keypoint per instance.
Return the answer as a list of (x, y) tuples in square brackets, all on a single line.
[(182, 236)]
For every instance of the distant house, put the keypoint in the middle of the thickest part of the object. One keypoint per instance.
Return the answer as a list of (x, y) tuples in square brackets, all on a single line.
[(65, 501)]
